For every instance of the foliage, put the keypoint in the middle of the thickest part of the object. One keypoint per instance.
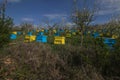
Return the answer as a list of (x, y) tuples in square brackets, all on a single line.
[(5, 27)]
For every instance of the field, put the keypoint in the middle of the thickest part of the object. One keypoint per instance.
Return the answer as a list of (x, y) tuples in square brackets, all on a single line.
[(33, 60), (82, 43)]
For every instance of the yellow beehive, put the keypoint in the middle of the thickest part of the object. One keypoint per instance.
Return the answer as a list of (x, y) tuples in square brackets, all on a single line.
[(89, 32), (27, 39), (14, 32), (68, 35), (33, 37), (30, 38), (108, 34), (42, 30), (37, 30), (66, 30), (101, 34), (79, 33), (59, 40), (114, 36), (73, 33), (54, 31)]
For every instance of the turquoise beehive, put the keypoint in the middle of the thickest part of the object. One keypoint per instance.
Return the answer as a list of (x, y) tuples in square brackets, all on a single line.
[(109, 41), (42, 39), (96, 34), (29, 33), (40, 33), (13, 36)]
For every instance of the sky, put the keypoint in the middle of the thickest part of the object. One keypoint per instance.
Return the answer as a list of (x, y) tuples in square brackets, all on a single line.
[(39, 11)]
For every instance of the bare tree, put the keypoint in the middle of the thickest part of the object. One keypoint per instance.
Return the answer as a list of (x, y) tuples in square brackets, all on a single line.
[(26, 27), (82, 17)]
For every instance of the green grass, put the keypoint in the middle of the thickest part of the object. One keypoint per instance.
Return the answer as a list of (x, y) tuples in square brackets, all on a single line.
[(47, 61)]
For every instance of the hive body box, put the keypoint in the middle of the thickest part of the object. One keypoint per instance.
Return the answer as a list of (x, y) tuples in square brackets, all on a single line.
[(45, 31), (30, 38), (57, 34), (59, 40), (14, 32), (19, 33), (42, 39), (96, 34), (40, 33), (109, 41), (54, 31), (29, 33), (13, 36), (68, 35), (115, 36)]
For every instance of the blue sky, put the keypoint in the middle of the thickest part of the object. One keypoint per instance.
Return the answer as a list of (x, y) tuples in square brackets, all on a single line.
[(38, 11)]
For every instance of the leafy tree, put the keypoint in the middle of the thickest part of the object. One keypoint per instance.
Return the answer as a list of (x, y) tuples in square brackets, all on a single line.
[(5, 26)]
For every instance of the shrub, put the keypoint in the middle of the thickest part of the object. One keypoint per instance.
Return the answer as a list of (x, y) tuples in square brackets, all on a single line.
[(5, 27)]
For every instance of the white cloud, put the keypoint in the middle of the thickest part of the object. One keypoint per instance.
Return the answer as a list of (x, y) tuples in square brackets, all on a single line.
[(55, 16), (28, 19), (12, 1), (109, 7)]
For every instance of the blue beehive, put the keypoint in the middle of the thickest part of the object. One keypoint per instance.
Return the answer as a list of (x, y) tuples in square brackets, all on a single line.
[(29, 33), (19, 33), (109, 41), (73, 30), (61, 30), (57, 34), (13, 36), (42, 39), (40, 33), (46, 31), (96, 34)]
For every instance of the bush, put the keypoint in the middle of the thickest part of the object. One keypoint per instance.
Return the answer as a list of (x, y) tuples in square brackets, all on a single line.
[(5, 27)]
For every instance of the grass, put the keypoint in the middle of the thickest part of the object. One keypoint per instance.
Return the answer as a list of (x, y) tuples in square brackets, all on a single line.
[(32, 61)]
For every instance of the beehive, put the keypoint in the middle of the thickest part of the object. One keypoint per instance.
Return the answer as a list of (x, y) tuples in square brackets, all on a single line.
[(13, 36), (68, 35), (30, 38), (59, 40), (42, 39), (96, 34), (54, 31), (37, 30), (29, 33), (89, 32), (14, 32), (101, 34), (42, 30), (108, 34), (109, 41), (57, 34), (73, 33), (40, 33), (45, 31), (114, 36), (19, 33)]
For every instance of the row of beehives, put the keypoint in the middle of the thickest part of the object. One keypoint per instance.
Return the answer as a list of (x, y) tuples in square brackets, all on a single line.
[(61, 40), (40, 37)]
